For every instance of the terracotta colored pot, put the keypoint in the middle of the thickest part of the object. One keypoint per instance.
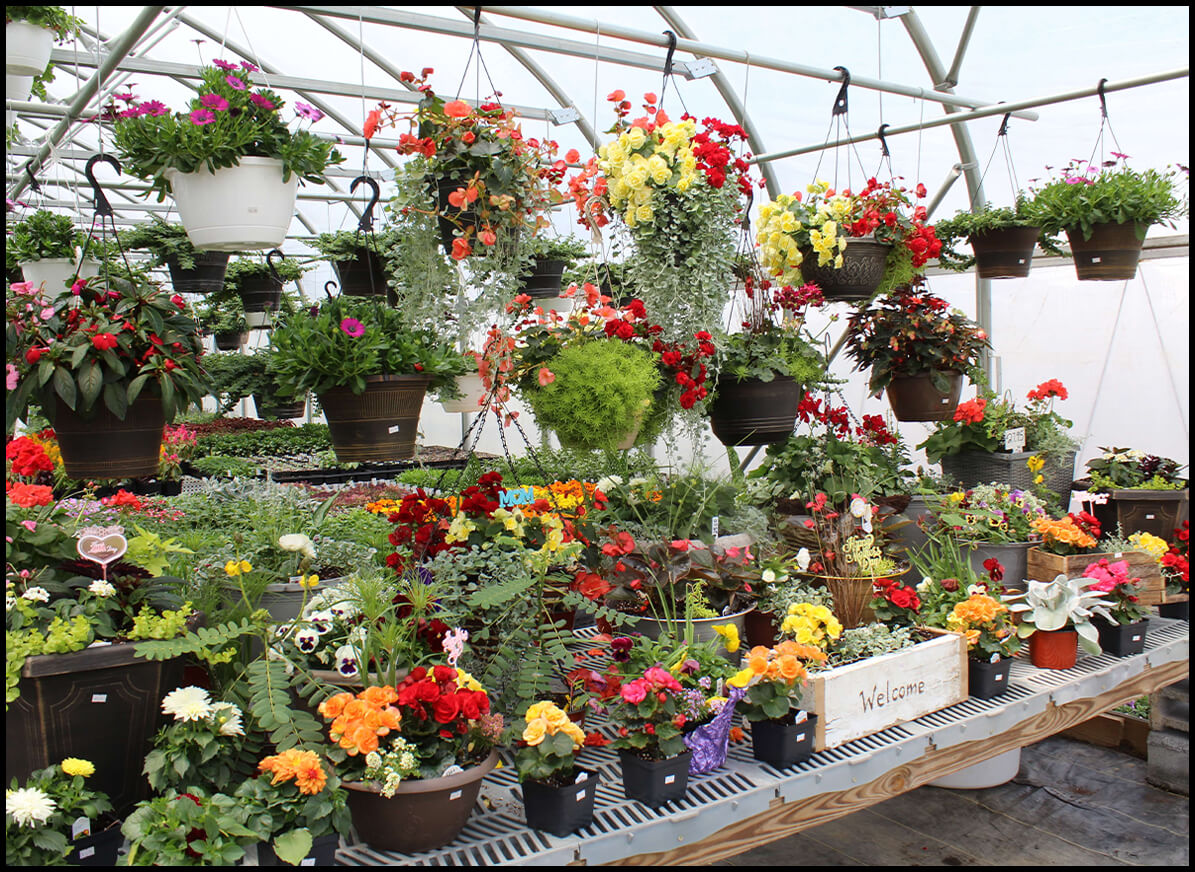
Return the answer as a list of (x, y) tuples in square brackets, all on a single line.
[(1054, 649)]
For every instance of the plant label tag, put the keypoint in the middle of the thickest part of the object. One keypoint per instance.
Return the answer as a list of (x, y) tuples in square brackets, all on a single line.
[(456, 794), (668, 779), (99, 697), (999, 677), (307, 861), (1118, 555), (1097, 259), (714, 526), (581, 778), (1014, 439), (1137, 637), (800, 737), (80, 828), (580, 796), (1150, 517), (392, 429), (102, 549), (86, 852)]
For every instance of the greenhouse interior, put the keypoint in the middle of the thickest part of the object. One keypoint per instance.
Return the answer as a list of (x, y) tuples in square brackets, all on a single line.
[(671, 435)]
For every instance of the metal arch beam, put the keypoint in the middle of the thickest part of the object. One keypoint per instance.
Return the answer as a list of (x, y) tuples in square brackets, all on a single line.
[(117, 52), (541, 75), (964, 41), (737, 109)]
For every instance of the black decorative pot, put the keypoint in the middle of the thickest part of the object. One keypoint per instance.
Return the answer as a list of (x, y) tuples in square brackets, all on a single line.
[(915, 398), (545, 279), (754, 412), (862, 270), (654, 782), (379, 424), (206, 278), (1112, 252), (100, 445), (1005, 252)]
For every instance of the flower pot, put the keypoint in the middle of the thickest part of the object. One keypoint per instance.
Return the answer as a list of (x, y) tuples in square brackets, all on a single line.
[(378, 424), (852, 596), (862, 270), (231, 340), (1042, 565), (755, 412), (990, 773), (1142, 511), (279, 409), (17, 88), (703, 628), (1112, 252), (758, 629), (97, 849), (323, 852), (561, 810), (246, 207), (363, 276), (1054, 649), (206, 278), (1005, 252), (914, 397), (654, 782), (987, 680), (285, 599), (100, 445), (970, 468), (1121, 640), (422, 815), (1013, 556), (474, 391), (57, 273), (27, 48), (99, 704), (910, 535), (260, 294), (545, 278), (1179, 610), (782, 744)]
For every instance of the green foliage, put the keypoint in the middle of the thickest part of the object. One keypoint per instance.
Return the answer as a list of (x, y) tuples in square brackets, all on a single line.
[(29, 841), (1125, 468), (53, 18), (600, 394), (187, 830), (349, 245), (280, 442), (570, 249), (824, 463), (243, 268), (870, 640), (44, 235), (222, 466), (270, 705), (762, 356), (165, 241), (202, 643)]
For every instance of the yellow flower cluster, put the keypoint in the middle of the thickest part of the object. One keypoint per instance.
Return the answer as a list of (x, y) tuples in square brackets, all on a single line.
[(1152, 545), (783, 663), (639, 163), (75, 766), (811, 625), (233, 568), (974, 613), (783, 220), (1064, 532), (547, 719), (460, 529)]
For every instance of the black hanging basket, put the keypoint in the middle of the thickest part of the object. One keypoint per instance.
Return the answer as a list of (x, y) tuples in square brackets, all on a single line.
[(260, 293), (363, 276), (1111, 254), (915, 398), (754, 412), (862, 270), (231, 340), (545, 279), (206, 278)]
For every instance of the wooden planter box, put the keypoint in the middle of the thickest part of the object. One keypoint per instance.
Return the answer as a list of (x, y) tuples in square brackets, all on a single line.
[(1151, 589), (862, 698)]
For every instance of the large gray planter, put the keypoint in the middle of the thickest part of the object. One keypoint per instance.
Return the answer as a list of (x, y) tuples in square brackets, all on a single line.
[(1012, 556)]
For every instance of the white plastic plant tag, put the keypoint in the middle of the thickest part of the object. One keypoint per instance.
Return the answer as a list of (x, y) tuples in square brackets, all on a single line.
[(1118, 555), (800, 737), (392, 429), (1014, 439), (1137, 638), (99, 697), (581, 778), (668, 779), (998, 677), (1097, 259), (80, 828), (307, 861), (101, 545), (714, 526), (801, 717), (456, 794), (580, 796), (86, 852), (1150, 517)]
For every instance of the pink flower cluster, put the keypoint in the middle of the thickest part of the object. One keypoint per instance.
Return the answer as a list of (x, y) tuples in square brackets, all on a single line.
[(654, 680)]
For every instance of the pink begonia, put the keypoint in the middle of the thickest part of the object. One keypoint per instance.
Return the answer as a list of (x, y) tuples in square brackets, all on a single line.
[(11, 377), (634, 692)]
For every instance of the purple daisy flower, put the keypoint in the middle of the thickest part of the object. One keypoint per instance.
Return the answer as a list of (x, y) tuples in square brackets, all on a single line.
[(214, 101), (226, 66), (202, 117), (259, 100), (352, 328), (308, 112), (155, 108), (234, 82), (245, 65)]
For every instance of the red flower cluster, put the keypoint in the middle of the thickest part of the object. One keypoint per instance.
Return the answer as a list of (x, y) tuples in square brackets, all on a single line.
[(1047, 389), (971, 412), (686, 367), (900, 595), (427, 696), (27, 458), (27, 496), (1087, 522), (1176, 561), (714, 155), (879, 213)]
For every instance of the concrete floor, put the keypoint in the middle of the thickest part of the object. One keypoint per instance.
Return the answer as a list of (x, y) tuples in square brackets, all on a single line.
[(1071, 804)]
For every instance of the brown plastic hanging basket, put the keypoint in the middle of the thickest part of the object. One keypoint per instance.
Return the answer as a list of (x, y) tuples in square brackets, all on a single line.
[(1112, 252), (1004, 252), (915, 398)]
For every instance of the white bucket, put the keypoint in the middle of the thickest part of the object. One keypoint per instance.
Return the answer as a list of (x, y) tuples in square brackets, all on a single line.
[(56, 272), (243, 208), (474, 390), (26, 49)]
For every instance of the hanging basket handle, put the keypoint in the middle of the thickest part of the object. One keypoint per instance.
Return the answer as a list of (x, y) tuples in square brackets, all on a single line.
[(270, 263), (840, 105), (366, 222), (329, 287), (102, 206)]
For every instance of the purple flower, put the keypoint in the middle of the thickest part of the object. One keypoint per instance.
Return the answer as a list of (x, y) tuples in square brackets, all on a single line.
[(352, 328), (214, 101), (126, 98), (245, 65), (155, 108), (308, 112), (224, 65), (131, 112), (1118, 155), (202, 117), (235, 83), (259, 100)]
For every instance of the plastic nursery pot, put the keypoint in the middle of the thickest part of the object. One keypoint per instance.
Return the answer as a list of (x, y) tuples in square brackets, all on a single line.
[(754, 412), (206, 278), (379, 424), (473, 388), (1004, 253), (654, 782), (246, 207), (363, 276), (563, 809), (914, 397), (987, 680), (1178, 610), (58, 272), (1122, 640), (100, 445), (545, 278), (98, 849), (1054, 649), (1112, 252), (862, 270), (781, 744), (323, 853), (27, 48)]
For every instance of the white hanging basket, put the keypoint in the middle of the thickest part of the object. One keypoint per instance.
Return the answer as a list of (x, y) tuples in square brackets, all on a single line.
[(26, 48), (243, 208), (17, 87), (55, 272), (473, 388)]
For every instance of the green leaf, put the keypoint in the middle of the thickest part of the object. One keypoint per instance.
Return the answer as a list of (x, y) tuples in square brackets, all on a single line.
[(135, 387), (293, 847), (91, 381), (64, 386)]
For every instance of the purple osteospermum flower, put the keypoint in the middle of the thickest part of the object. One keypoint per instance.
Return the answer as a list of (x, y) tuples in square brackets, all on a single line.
[(352, 327), (202, 117), (155, 108), (259, 100), (245, 65), (224, 65), (308, 112), (131, 112), (235, 83), (214, 101)]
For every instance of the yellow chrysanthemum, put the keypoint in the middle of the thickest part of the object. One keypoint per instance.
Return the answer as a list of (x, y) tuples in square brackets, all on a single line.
[(77, 766)]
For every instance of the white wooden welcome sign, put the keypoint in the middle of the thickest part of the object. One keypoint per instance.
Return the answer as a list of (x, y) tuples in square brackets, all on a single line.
[(862, 698)]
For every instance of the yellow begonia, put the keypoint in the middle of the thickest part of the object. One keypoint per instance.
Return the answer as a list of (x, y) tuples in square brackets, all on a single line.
[(730, 636), (459, 529)]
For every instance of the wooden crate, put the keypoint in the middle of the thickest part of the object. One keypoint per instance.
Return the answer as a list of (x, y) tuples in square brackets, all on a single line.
[(1151, 589), (862, 698)]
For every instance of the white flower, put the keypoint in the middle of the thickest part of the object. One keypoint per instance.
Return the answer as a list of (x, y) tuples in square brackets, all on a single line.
[(608, 483), (37, 595), (307, 641), (974, 589), (373, 760), (10, 603), (101, 588), (859, 507), (925, 584), (228, 717), (297, 542), (187, 704), (28, 806), (321, 622), (768, 575), (803, 559)]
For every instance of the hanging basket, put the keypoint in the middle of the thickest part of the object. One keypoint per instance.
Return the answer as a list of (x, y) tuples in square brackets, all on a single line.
[(246, 207), (379, 424), (279, 409), (27, 48), (231, 340), (754, 412), (544, 280), (363, 276), (915, 398), (1004, 252), (474, 390), (206, 278), (970, 468), (260, 293), (101, 446), (863, 264), (1112, 252), (58, 272)]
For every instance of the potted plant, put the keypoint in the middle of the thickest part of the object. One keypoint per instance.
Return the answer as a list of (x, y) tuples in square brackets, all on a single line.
[(46, 246), (369, 370), (809, 239), (29, 36), (259, 284), (765, 368), (988, 439), (917, 350), (550, 258), (1176, 569), (1003, 240), (1137, 491), (1123, 633), (53, 816), (650, 744), (237, 376), (188, 829), (557, 795), (781, 733), (109, 365), (992, 641), (1055, 615), (359, 259), (230, 161), (191, 271), (1106, 211), (223, 315)]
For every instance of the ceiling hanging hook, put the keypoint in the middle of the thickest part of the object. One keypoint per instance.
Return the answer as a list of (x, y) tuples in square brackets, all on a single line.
[(1003, 131), (840, 103), (33, 182), (329, 287), (884, 152), (365, 225), (102, 207), (1103, 97), (270, 263)]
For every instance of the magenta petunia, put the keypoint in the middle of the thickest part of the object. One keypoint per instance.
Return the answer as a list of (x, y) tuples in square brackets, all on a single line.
[(235, 83), (214, 101), (202, 117), (224, 65), (352, 327), (308, 112), (259, 100)]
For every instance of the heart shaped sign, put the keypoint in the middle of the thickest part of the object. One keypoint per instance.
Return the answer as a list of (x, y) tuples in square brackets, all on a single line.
[(102, 549)]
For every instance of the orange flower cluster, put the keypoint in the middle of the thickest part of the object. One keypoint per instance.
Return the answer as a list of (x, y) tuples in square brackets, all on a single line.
[(357, 721), (784, 663), (303, 766), (1063, 532)]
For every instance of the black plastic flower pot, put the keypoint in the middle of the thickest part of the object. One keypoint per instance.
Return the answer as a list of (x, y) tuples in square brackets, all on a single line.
[(561, 810), (987, 680), (654, 782), (862, 270), (781, 744), (323, 853), (206, 278), (754, 412), (231, 340), (1005, 252), (98, 849), (1122, 640), (544, 280), (1157, 512), (260, 293), (1180, 611), (363, 276)]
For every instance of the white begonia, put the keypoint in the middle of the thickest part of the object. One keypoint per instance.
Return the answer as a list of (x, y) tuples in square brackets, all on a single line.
[(187, 704), (768, 575), (925, 584), (10, 602), (803, 559), (36, 595), (29, 806), (102, 588), (610, 481)]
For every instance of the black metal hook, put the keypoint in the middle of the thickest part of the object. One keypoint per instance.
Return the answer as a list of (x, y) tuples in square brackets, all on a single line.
[(671, 51), (1003, 131), (1103, 97), (33, 182), (884, 141), (476, 19), (840, 100), (366, 222), (329, 287), (102, 206), (270, 264)]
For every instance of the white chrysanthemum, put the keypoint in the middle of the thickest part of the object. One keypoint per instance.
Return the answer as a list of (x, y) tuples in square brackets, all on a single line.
[(102, 588), (229, 718), (36, 594), (297, 542), (803, 559), (187, 704), (28, 806)]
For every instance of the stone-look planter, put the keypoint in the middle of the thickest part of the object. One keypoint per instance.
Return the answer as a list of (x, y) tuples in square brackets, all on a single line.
[(1013, 557), (1142, 511), (246, 207)]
